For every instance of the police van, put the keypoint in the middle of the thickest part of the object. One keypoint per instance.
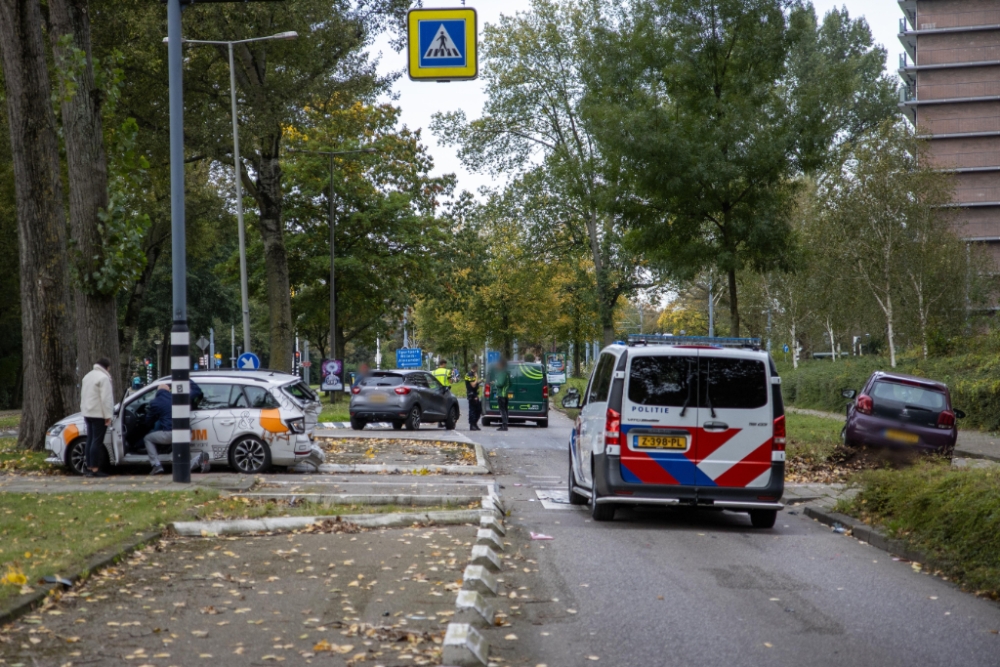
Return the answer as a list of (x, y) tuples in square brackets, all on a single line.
[(680, 421)]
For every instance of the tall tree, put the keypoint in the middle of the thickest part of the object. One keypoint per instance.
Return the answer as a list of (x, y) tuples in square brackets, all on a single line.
[(81, 101), (533, 127), (46, 316), (716, 106)]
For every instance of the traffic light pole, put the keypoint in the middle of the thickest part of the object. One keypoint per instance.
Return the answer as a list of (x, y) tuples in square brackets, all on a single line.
[(180, 358)]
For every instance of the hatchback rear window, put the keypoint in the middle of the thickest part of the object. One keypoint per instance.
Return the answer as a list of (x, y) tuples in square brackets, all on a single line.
[(664, 381), (910, 395), (382, 381), (733, 383)]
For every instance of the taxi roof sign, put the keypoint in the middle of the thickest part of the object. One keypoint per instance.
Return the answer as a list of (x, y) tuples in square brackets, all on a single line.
[(443, 44)]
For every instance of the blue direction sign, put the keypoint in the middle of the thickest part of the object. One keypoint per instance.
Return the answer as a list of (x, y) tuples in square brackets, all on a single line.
[(492, 357), (248, 361), (443, 44), (409, 357)]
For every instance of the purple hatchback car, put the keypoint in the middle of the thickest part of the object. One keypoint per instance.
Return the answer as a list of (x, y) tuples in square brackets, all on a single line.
[(902, 411)]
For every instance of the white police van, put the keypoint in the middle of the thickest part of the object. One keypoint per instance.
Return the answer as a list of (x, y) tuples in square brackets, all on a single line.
[(680, 421)]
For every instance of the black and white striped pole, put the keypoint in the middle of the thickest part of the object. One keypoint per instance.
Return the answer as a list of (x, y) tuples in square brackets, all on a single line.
[(180, 357)]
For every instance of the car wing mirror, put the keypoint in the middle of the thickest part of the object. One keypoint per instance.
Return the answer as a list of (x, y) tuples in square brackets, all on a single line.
[(571, 401), (959, 414), (848, 393)]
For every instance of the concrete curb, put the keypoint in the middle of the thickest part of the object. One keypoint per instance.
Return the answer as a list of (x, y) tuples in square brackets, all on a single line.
[(24, 605), (414, 500), (865, 533), (482, 466), (464, 647), (289, 523)]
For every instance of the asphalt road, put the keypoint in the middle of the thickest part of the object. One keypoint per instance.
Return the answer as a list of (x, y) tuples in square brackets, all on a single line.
[(668, 587)]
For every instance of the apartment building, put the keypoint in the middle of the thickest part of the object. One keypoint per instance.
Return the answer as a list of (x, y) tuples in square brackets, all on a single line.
[(951, 93)]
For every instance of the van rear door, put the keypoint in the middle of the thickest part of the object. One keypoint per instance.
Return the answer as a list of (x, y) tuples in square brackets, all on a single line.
[(660, 418), (734, 442)]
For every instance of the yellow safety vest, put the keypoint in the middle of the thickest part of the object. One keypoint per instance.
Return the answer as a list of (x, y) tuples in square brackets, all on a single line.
[(443, 376)]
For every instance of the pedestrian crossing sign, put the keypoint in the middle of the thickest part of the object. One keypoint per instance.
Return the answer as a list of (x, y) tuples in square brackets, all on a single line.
[(442, 44)]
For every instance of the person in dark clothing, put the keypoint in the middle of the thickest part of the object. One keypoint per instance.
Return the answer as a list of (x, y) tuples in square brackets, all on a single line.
[(159, 417), (472, 383), (501, 387)]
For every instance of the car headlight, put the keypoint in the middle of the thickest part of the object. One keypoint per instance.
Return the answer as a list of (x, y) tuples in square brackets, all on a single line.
[(55, 430), (297, 425)]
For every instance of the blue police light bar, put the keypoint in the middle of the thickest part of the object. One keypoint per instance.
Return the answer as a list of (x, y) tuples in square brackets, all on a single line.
[(715, 341)]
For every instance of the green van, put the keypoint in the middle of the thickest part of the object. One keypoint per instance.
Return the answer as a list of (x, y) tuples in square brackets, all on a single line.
[(528, 399)]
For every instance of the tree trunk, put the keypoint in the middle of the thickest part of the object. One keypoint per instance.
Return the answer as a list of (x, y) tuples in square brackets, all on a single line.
[(136, 298), (795, 347), (734, 306), (279, 300), (87, 164), (888, 322), (923, 318), (50, 389), (833, 343)]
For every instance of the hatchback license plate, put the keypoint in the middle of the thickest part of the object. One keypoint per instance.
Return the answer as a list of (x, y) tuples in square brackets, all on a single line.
[(902, 436), (661, 442), (379, 398)]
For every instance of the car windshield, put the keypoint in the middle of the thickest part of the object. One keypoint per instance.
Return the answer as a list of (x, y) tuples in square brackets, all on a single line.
[(909, 395), (300, 391), (382, 381)]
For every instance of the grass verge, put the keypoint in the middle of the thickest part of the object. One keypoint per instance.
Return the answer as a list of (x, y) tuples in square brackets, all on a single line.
[(952, 515), (580, 384), (17, 460), (256, 508), (10, 421), (57, 534), (334, 413), (811, 439)]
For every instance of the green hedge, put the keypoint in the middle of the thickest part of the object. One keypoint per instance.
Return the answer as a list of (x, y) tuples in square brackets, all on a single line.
[(974, 380), (952, 515)]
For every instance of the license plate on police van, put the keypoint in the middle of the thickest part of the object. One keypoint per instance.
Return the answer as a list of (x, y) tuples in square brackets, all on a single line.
[(661, 442), (902, 436)]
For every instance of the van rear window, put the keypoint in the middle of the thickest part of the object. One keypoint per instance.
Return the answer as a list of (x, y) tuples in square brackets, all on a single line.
[(664, 381), (733, 383)]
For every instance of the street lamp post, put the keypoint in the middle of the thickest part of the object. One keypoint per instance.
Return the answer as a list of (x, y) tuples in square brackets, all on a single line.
[(244, 291), (333, 289)]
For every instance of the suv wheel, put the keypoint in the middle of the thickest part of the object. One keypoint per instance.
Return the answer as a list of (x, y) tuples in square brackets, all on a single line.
[(600, 511), (763, 518), (574, 497), (413, 419), (397, 426), (452, 419), (357, 424), (249, 456)]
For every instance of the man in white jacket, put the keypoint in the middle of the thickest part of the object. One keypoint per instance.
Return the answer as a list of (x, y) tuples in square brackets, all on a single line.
[(97, 403)]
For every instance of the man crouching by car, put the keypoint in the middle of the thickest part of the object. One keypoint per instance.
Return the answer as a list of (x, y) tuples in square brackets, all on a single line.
[(159, 417)]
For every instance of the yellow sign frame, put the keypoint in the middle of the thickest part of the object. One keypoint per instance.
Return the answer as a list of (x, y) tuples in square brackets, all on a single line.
[(471, 69)]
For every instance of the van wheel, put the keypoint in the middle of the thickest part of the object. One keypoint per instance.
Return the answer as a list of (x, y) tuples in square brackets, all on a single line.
[(599, 511), (487, 421), (413, 419), (452, 420), (542, 423), (763, 518), (574, 497), (250, 456)]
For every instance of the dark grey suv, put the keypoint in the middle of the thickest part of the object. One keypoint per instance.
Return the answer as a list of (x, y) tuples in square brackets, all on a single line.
[(404, 398)]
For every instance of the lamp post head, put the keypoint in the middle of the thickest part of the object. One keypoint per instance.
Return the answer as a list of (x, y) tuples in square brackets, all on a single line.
[(291, 34)]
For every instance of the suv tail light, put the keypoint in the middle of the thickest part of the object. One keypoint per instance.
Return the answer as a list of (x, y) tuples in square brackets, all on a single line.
[(946, 419), (613, 431), (402, 391), (355, 390), (545, 392), (865, 404), (778, 438), (486, 391)]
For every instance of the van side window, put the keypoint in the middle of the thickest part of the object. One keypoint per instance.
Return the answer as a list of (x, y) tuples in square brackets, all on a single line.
[(733, 383), (600, 386)]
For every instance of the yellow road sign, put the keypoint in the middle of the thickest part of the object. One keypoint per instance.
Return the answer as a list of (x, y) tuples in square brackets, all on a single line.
[(443, 44)]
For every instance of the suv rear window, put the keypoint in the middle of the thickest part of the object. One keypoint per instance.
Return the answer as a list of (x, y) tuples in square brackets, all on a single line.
[(733, 383), (919, 397), (664, 381), (382, 381)]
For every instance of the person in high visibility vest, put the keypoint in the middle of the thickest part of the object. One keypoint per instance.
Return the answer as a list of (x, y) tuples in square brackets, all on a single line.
[(442, 374)]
